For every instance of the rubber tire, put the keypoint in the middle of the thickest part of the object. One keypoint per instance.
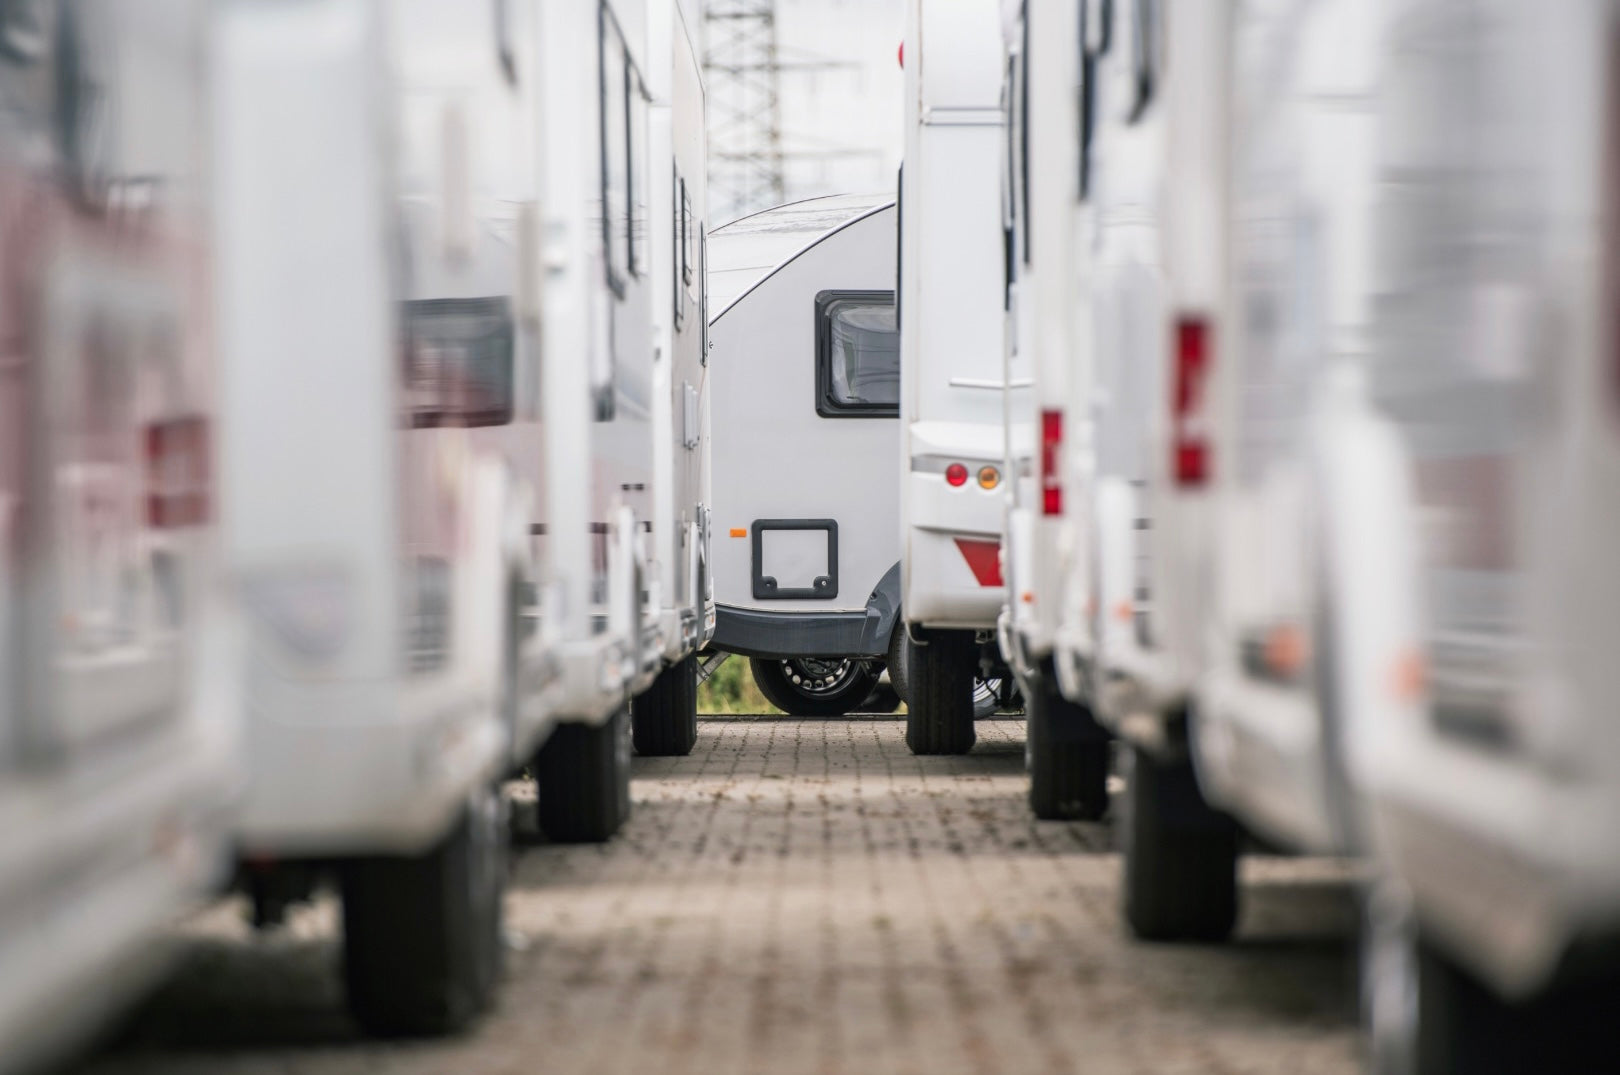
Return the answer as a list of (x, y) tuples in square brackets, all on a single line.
[(774, 684), (1180, 855), (939, 675), (899, 671), (422, 936), (1421, 1013), (663, 718), (583, 774), (1066, 752)]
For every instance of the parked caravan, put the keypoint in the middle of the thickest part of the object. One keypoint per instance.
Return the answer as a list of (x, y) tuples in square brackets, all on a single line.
[(118, 709), (448, 565), (600, 595), (806, 382), (360, 511), (1293, 326), (1152, 147), (680, 582), (1480, 722), (952, 324), (1047, 384)]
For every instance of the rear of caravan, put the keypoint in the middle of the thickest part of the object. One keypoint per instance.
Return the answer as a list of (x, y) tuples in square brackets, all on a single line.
[(806, 386), (952, 326)]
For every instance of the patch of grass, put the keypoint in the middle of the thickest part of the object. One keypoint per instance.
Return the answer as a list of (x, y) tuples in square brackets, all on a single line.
[(732, 690)]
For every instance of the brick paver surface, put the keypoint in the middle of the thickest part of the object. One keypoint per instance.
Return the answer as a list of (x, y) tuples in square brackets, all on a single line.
[(806, 896)]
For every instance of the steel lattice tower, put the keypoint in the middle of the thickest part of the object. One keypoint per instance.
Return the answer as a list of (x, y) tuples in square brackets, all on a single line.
[(743, 71)]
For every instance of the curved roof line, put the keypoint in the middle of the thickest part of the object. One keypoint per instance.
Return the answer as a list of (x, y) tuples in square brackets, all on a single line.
[(781, 205), (797, 254)]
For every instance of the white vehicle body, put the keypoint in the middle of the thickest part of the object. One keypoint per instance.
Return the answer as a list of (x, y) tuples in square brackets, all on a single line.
[(118, 699), (1300, 573), (951, 315), (1047, 317), (682, 579), (370, 543), (444, 559), (1048, 209), (1157, 161), (1494, 776), (601, 611), (810, 566)]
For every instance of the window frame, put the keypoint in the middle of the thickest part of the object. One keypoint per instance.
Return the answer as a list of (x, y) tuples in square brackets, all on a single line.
[(826, 302), (678, 250), (613, 110), (1146, 18), (686, 235), (637, 184)]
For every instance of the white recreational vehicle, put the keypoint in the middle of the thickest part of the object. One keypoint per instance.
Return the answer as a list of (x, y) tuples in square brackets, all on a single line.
[(449, 569), (806, 375), (623, 593), (1135, 459), (118, 700), (1047, 391), (680, 583), (952, 325), (366, 519), (1479, 691)]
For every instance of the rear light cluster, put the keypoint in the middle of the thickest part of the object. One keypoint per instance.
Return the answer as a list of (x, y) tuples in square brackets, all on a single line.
[(956, 475), (178, 474), (1052, 462), (1189, 425)]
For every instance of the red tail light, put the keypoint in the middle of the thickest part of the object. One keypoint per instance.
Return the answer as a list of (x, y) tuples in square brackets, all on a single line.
[(1189, 426), (956, 474), (177, 472), (1051, 462)]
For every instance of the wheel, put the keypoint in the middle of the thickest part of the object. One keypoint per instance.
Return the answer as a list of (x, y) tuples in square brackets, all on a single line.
[(1180, 855), (663, 718), (1423, 1014), (1066, 752), (939, 675), (992, 695), (422, 933), (815, 686), (896, 663), (583, 773)]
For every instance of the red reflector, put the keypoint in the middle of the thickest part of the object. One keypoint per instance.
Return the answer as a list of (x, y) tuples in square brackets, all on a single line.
[(177, 472), (956, 474), (1052, 462), (983, 559), (1189, 426)]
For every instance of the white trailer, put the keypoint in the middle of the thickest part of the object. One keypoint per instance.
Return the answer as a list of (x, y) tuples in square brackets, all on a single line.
[(680, 581), (1279, 590), (1479, 690), (118, 702), (1049, 224), (806, 408), (613, 612), (449, 563), (1128, 452), (952, 324)]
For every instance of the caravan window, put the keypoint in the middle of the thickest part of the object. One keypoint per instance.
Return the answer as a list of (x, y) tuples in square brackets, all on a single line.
[(857, 355)]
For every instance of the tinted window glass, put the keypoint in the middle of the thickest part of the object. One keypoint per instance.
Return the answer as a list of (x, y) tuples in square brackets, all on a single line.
[(858, 354)]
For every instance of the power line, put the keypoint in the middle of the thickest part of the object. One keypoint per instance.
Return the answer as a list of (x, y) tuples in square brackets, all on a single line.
[(743, 69)]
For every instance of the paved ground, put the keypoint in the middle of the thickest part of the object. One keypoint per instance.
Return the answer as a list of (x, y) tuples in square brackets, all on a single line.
[(805, 896)]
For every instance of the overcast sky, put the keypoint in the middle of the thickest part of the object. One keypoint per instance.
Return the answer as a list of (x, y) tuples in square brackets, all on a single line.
[(841, 127)]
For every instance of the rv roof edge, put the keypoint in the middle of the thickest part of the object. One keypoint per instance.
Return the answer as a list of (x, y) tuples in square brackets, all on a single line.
[(775, 260)]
